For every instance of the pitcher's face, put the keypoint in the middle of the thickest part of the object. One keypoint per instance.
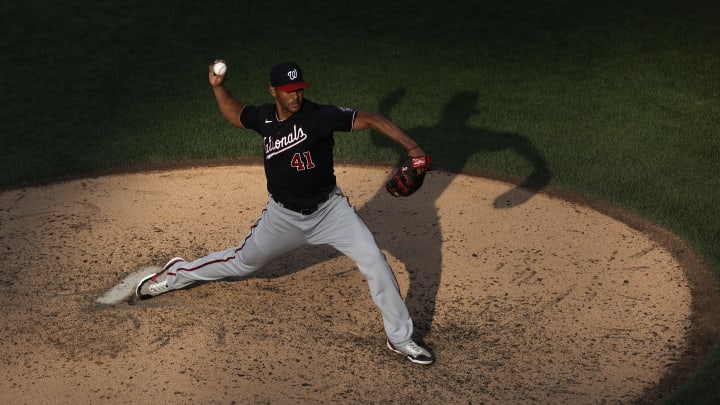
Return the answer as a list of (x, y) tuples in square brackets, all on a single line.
[(287, 103)]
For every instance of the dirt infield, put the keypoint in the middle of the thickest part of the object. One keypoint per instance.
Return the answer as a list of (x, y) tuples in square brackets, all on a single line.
[(523, 297)]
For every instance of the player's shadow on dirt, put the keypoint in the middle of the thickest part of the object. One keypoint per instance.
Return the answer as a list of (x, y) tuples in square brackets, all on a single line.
[(413, 233)]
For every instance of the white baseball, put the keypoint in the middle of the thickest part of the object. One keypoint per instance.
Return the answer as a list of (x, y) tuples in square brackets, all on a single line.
[(219, 68)]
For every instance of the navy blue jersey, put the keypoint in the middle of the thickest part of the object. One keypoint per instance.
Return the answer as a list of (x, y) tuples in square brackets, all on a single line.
[(299, 151)]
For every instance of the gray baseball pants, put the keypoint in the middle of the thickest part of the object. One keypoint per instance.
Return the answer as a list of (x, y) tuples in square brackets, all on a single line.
[(279, 231)]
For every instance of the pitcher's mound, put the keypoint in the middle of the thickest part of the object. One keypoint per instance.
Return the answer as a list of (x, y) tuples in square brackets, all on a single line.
[(522, 297)]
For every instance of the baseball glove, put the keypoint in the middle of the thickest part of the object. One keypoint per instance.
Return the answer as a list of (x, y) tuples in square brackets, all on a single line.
[(408, 176)]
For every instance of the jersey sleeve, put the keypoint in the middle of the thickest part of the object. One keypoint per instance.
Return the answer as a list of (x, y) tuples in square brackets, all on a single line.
[(340, 118), (250, 117)]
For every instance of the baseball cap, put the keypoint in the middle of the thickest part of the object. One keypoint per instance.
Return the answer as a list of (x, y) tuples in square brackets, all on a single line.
[(287, 76)]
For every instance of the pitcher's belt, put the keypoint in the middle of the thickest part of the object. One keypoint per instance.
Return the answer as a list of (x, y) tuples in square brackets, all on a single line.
[(302, 210)]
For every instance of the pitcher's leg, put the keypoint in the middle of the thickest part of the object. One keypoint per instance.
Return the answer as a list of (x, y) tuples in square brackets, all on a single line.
[(270, 237), (385, 293), (346, 231)]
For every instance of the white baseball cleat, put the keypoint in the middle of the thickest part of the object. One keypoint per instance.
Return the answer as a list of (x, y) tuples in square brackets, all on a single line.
[(155, 284), (413, 351)]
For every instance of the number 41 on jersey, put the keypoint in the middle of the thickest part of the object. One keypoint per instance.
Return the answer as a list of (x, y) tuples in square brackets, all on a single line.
[(299, 164)]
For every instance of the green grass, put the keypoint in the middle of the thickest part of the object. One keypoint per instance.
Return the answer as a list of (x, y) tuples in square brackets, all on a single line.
[(615, 99)]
